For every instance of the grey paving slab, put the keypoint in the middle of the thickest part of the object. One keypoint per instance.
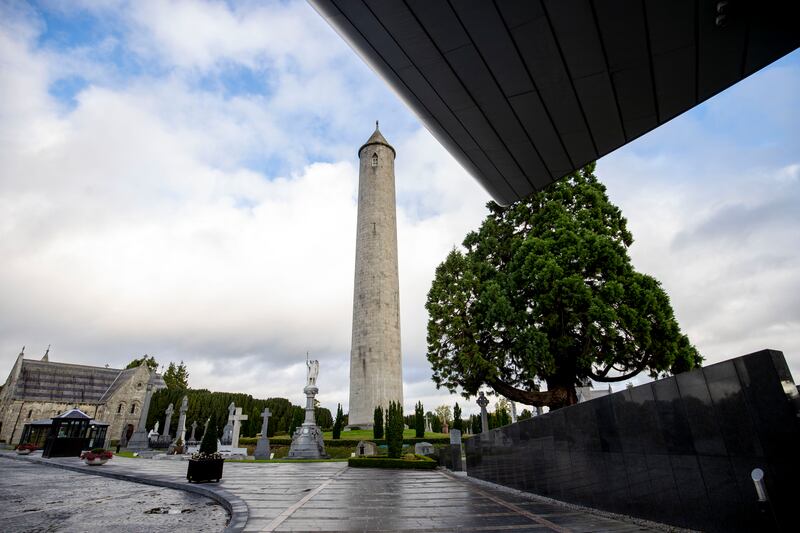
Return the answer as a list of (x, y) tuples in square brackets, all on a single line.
[(333, 497), (61, 500)]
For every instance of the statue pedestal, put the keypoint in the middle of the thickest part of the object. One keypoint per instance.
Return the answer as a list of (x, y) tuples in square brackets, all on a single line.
[(307, 440), (139, 441)]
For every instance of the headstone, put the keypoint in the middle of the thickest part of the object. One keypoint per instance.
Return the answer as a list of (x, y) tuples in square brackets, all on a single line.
[(168, 418), (455, 450), (227, 431), (424, 448), (483, 401), (262, 446), (428, 428), (230, 447), (307, 440), (192, 438), (366, 448), (445, 428)]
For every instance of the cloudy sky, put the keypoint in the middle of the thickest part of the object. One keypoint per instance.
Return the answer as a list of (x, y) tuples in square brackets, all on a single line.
[(180, 179)]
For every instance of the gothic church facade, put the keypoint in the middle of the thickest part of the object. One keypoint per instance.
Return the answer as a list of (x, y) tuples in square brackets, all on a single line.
[(41, 389)]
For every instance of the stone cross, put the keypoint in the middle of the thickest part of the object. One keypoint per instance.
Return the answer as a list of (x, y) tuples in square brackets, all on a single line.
[(237, 418), (180, 433), (265, 415), (483, 401), (262, 446), (168, 418), (227, 431), (194, 428), (145, 408)]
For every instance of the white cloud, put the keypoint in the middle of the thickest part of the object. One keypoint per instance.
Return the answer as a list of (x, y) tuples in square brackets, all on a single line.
[(164, 215)]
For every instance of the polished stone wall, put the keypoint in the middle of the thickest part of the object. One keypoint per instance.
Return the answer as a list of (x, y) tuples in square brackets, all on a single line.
[(679, 450)]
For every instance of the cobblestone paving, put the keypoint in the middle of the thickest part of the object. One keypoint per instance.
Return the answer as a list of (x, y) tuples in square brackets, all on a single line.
[(333, 497), (36, 498)]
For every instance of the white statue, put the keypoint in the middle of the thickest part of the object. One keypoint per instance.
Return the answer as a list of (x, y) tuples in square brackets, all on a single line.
[(154, 431), (313, 372)]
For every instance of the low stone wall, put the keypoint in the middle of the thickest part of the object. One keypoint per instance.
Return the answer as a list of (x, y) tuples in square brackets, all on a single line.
[(679, 450)]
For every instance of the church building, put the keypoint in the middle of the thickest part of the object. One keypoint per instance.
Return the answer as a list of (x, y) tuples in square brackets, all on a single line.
[(42, 389)]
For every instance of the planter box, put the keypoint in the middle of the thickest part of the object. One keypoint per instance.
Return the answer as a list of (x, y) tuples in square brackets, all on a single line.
[(23, 452), (204, 470), (95, 462)]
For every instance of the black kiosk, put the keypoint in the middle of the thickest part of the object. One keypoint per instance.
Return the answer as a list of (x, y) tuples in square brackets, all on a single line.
[(73, 432)]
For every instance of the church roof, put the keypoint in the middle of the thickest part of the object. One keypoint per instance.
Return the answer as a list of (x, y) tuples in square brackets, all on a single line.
[(377, 138), (68, 383)]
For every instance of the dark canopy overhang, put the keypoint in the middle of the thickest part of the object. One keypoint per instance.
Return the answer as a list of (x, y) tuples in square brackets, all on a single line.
[(522, 92)]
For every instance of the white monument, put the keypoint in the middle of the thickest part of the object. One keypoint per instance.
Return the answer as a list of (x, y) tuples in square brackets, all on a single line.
[(235, 419), (307, 440)]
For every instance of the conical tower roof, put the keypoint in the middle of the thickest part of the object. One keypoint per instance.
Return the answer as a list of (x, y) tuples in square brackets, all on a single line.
[(377, 138)]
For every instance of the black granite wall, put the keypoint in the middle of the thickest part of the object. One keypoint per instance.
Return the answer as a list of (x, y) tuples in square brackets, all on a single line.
[(679, 450)]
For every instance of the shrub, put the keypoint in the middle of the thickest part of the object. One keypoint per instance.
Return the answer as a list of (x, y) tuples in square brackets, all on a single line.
[(394, 429), (97, 453), (416, 462), (337, 425), (209, 443), (419, 420), (27, 446), (377, 418)]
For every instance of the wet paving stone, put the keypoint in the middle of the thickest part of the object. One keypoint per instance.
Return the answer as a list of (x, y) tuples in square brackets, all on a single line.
[(38, 499)]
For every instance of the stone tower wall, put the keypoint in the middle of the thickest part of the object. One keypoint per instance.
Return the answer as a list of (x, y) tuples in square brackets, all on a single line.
[(375, 360)]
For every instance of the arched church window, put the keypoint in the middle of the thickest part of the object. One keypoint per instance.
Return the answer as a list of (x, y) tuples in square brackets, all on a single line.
[(374, 160), (119, 409), (133, 409), (30, 412)]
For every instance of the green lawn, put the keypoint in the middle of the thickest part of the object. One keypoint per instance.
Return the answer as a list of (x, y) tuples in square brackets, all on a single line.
[(366, 434)]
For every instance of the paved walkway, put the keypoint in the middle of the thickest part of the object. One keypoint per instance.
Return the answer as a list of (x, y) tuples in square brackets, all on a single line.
[(333, 497)]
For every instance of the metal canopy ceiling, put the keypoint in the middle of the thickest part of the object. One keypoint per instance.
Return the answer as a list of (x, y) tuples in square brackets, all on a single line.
[(522, 92)]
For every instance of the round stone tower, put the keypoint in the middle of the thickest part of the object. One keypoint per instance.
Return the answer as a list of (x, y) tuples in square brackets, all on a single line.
[(376, 373)]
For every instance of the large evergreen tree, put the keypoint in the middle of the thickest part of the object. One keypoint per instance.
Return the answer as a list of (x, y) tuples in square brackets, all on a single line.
[(457, 422), (545, 291), (176, 376)]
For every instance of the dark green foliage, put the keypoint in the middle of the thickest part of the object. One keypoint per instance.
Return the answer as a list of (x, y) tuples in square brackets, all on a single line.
[(419, 420), (377, 423), (148, 360), (499, 418), (475, 421), (286, 441), (298, 417), (204, 404), (546, 291), (337, 425), (209, 442), (420, 462), (394, 429), (524, 415), (176, 376), (436, 422), (457, 422), (323, 417)]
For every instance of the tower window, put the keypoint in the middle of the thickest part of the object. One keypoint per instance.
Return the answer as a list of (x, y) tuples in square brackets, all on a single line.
[(133, 409), (119, 408), (374, 160)]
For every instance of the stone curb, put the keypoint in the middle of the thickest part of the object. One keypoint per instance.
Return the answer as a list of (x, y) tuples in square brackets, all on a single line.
[(232, 503)]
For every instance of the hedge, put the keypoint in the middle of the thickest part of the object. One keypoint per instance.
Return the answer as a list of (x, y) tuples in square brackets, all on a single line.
[(286, 441), (419, 463)]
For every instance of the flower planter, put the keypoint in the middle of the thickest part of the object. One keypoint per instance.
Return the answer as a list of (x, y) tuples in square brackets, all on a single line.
[(204, 470), (96, 461), (23, 452)]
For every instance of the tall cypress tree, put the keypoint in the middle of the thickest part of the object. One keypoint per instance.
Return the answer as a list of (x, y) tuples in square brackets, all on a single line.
[(457, 422), (394, 429), (337, 424), (419, 420), (377, 418)]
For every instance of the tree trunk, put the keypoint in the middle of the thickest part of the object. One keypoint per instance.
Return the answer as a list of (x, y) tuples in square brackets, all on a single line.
[(556, 396)]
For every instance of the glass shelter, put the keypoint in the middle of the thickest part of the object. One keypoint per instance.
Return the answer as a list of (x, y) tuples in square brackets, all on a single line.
[(73, 432)]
